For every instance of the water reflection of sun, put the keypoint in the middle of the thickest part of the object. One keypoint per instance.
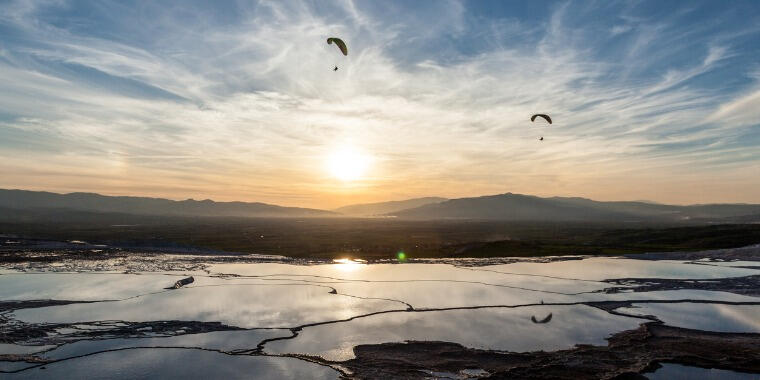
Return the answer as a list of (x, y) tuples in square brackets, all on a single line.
[(349, 265)]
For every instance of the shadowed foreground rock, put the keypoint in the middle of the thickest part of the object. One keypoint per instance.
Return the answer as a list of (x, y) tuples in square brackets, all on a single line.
[(627, 354)]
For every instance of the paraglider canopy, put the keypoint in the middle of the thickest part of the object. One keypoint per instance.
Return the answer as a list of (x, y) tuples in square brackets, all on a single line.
[(544, 116), (339, 43)]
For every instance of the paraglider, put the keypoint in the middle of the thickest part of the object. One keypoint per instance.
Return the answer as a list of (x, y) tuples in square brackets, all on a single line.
[(340, 44), (544, 116), (545, 320)]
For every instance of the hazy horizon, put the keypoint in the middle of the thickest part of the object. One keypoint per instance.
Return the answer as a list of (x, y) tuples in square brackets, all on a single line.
[(239, 102), (383, 200)]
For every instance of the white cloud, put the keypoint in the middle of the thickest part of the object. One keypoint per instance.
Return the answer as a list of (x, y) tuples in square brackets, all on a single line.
[(740, 112)]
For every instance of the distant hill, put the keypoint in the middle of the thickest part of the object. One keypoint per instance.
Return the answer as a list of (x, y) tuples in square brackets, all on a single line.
[(518, 207), (381, 208), (648, 209), (504, 207), (37, 200)]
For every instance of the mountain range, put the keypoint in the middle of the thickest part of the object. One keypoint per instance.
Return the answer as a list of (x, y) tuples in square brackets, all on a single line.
[(504, 207), (37, 200), (518, 207)]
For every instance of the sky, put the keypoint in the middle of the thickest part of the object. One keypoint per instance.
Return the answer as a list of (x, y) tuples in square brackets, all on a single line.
[(238, 100)]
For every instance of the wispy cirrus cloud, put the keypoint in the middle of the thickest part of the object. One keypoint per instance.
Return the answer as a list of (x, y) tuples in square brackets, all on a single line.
[(239, 101)]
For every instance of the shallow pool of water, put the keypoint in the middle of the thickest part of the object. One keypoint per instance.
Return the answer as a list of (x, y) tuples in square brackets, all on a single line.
[(681, 372), (335, 307), (241, 305), (226, 341), (489, 328), (700, 316), (171, 363)]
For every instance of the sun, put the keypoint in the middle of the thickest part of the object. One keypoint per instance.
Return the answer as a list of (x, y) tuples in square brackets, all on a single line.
[(347, 164)]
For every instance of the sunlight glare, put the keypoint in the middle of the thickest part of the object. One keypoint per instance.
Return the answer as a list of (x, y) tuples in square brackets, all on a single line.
[(349, 265), (347, 164)]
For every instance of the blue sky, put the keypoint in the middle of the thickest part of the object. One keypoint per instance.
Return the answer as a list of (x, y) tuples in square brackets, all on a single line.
[(237, 100)]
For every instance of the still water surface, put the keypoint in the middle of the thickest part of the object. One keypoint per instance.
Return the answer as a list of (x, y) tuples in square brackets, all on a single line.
[(335, 307)]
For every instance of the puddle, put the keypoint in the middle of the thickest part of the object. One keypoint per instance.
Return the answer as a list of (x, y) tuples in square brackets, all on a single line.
[(601, 268), (698, 316), (247, 306), (428, 294), (13, 366), (379, 273), (736, 263), (681, 294), (219, 340), (17, 349), (178, 364), (497, 329), (681, 372), (81, 286)]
